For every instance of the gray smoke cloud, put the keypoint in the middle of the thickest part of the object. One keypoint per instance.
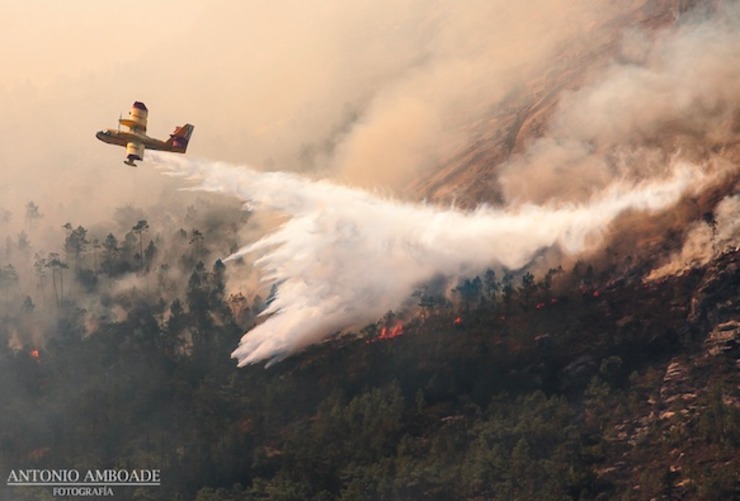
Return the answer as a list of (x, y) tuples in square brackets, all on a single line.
[(638, 136), (705, 240), (672, 92)]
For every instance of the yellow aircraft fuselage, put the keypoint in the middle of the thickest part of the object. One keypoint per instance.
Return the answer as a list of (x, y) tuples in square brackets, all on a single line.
[(123, 137)]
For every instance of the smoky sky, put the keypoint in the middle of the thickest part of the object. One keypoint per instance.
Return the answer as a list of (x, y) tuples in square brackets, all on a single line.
[(665, 93), (371, 93), (366, 94)]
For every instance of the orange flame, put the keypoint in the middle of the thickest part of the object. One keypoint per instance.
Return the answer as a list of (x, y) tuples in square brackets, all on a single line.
[(35, 354), (390, 333), (457, 321)]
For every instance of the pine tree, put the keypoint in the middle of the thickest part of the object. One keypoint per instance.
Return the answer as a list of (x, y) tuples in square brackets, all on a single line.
[(139, 228)]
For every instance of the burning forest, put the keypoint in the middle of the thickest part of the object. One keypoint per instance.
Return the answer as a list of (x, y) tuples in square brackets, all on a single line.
[(453, 253)]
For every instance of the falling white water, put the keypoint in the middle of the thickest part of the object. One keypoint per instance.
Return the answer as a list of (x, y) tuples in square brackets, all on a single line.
[(345, 256)]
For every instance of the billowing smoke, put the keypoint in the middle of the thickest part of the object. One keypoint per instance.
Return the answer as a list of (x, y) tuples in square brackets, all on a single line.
[(716, 233), (666, 92), (636, 137), (344, 256)]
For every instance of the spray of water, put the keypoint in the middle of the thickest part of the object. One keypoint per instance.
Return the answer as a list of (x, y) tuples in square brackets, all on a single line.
[(344, 256)]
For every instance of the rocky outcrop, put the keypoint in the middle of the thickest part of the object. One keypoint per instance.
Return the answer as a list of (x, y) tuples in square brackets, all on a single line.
[(680, 396)]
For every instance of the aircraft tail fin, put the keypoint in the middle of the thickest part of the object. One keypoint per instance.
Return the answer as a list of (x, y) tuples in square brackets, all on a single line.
[(179, 139)]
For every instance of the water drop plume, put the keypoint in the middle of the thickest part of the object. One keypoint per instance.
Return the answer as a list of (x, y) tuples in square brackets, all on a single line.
[(345, 256)]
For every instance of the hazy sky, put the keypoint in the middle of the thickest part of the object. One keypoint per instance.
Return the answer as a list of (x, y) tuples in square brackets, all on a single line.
[(367, 92), (69, 69)]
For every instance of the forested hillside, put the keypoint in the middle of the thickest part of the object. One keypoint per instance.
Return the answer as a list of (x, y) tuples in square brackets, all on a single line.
[(582, 383)]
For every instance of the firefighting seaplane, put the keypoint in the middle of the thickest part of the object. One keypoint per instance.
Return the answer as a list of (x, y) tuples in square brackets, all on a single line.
[(135, 139)]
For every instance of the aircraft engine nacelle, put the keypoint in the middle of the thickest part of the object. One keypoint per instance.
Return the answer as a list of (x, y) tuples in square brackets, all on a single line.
[(138, 114), (136, 120), (134, 151)]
